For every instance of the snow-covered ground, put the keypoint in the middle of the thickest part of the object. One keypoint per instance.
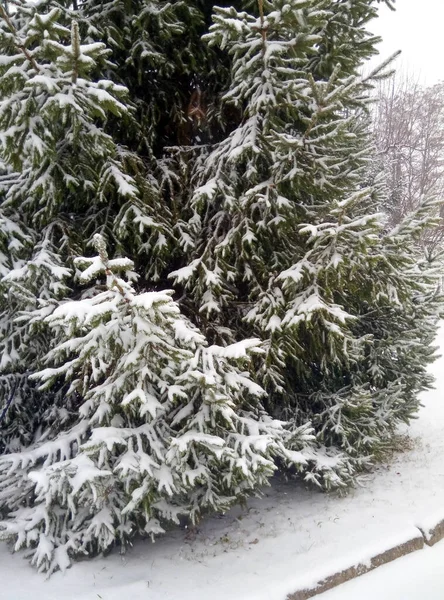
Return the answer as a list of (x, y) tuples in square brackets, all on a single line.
[(289, 539), (418, 576)]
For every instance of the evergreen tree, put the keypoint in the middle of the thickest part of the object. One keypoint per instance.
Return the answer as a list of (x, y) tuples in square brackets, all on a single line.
[(287, 245), (165, 424), (65, 178)]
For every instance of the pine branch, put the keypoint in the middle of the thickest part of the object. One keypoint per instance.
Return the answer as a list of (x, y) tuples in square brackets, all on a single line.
[(263, 29), (8, 403), (75, 42), (20, 47), (100, 246)]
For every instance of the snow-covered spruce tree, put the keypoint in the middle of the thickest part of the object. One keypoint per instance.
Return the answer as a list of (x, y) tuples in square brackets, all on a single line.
[(64, 179), (55, 93), (287, 245), (166, 424), (174, 84)]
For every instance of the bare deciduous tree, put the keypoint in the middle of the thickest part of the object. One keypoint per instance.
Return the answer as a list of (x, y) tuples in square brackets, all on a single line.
[(408, 122)]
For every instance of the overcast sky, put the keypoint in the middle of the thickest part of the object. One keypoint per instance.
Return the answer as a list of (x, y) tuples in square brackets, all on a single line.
[(416, 28)]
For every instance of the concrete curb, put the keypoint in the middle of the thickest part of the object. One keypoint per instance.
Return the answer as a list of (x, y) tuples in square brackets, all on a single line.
[(414, 543), (432, 530)]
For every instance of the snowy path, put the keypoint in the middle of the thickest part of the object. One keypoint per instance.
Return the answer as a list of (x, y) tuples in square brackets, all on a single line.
[(418, 576), (287, 540)]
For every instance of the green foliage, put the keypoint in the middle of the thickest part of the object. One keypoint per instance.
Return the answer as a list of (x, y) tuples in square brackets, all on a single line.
[(166, 424)]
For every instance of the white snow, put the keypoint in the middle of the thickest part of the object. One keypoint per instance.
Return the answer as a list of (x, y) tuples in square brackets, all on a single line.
[(418, 576), (290, 538)]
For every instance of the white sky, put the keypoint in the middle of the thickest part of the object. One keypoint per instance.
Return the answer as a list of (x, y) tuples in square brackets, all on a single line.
[(416, 28)]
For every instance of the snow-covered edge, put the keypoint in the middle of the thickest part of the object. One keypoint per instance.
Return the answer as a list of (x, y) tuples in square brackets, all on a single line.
[(349, 567)]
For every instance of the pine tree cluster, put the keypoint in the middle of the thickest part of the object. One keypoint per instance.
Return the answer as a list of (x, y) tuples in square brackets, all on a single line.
[(197, 284)]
